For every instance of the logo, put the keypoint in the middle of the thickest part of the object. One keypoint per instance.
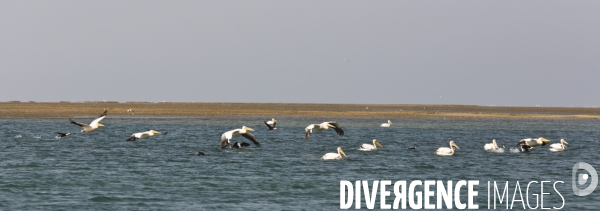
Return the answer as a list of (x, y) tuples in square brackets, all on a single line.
[(582, 179)]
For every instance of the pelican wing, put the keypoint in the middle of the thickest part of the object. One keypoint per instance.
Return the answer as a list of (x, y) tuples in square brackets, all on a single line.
[(224, 141), (99, 118), (337, 128), (307, 135), (250, 137), (132, 138), (270, 126), (77, 123)]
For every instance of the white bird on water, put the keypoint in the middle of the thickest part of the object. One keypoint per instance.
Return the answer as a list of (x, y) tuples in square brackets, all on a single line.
[(334, 156), (369, 147), (558, 147), (388, 124), (447, 151), (93, 126), (244, 131), (493, 147)]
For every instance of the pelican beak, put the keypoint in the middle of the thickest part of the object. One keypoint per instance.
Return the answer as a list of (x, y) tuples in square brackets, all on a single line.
[(544, 141), (248, 129), (378, 144), (564, 142), (454, 145), (155, 132), (100, 125), (342, 152)]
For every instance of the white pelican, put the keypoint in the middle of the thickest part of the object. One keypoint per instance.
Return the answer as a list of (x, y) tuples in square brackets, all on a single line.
[(271, 124), (369, 147), (60, 135), (93, 126), (528, 143), (388, 124), (142, 135), (323, 126), (334, 156), (491, 146), (447, 151), (244, 131), (558, 147)]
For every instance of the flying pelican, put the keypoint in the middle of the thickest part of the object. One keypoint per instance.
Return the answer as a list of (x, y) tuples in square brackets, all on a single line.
[(244, 131), (240, 144), (369, 147), (60, 135), (334, 156), (558, 147), (139, 135), (414, 147), (445, 151), (528, 143), (388, 124), (271, 124), (93, 126), (323, 126)]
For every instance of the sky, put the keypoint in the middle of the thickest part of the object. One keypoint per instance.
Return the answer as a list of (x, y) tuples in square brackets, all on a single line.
[(503, 53)]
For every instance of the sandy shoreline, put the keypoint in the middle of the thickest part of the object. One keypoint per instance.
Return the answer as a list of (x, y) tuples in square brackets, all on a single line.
[(67, 109)]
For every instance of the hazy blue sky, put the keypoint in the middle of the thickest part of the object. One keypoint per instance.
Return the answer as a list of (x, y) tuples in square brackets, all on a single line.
[(523, 53)]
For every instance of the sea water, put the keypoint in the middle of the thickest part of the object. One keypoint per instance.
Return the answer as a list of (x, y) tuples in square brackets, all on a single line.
[(101, 171)]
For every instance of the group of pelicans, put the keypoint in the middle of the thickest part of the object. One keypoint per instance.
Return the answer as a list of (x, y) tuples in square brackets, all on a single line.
[(525, 145)]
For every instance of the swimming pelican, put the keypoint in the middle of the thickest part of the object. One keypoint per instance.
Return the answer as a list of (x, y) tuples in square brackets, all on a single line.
[(445, 151), (388, 124), (93, 126), (271, 124), (414, 147), (334, 156), (60, 135), (558, 147), (491, 146), (240, 144), (528, 143), (142, 135), (369, 147), (244, 131), (323, 126)]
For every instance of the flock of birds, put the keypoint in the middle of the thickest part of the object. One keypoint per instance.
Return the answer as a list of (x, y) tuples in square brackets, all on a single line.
[(525, 145)]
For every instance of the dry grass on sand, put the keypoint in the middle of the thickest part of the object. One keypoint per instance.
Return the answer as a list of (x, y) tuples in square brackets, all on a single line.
[(67, 109)]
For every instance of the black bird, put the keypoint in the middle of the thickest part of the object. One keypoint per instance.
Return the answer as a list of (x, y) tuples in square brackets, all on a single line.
[(200, 153), (60, 135), (415, 147), (240, 144)]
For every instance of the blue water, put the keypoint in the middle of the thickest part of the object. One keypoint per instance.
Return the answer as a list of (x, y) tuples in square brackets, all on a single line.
[(101, 171)]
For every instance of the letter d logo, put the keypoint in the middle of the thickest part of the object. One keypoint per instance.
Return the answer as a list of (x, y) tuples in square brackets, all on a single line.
[(582, 179)]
